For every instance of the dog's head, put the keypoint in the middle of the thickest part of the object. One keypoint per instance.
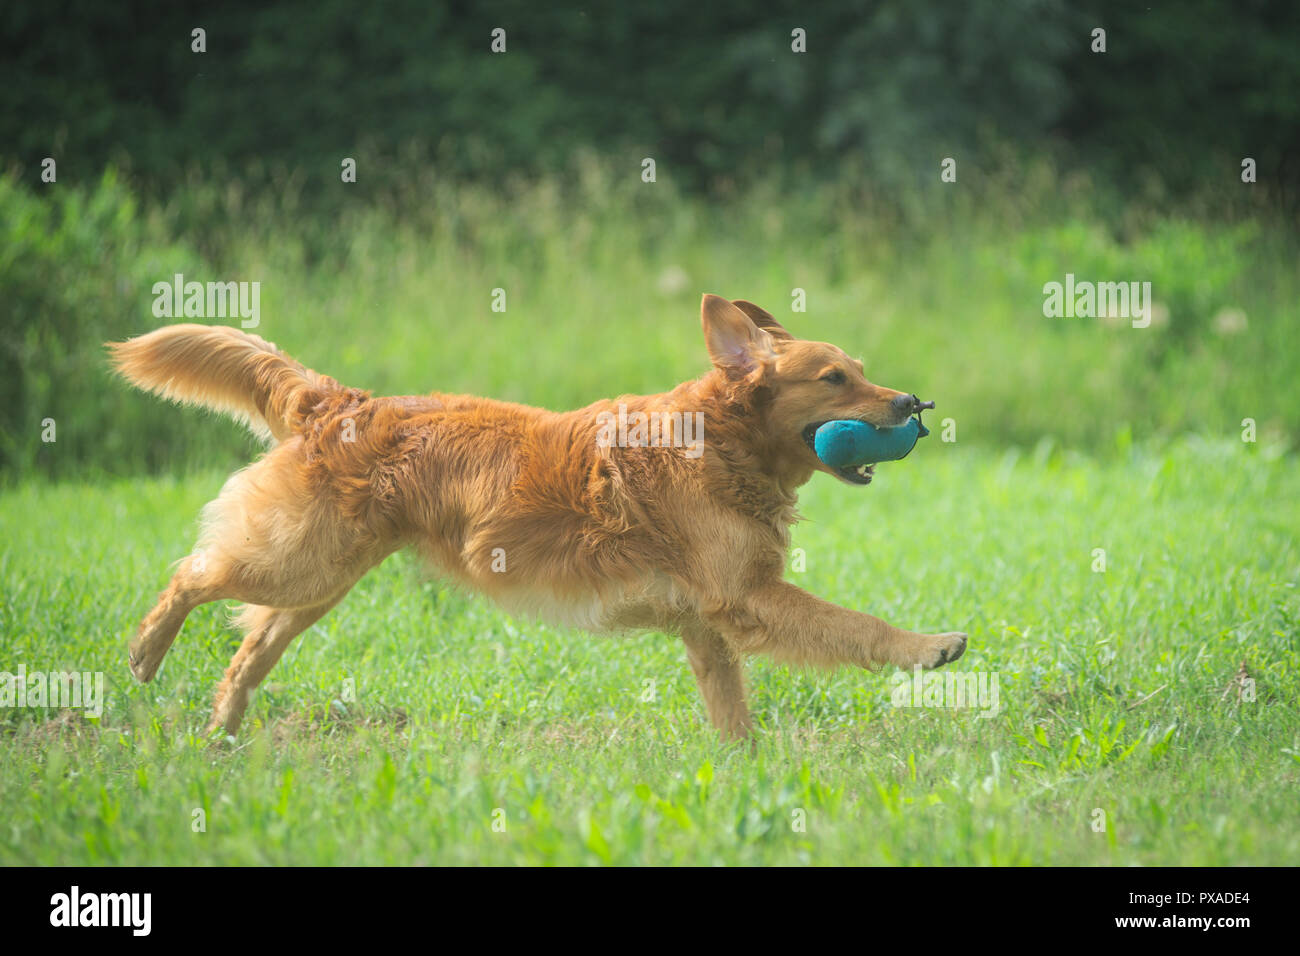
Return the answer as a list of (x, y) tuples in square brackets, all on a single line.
[(803, 384)]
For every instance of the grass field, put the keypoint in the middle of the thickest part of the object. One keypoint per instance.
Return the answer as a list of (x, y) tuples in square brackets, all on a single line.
[(413, 718), (1115, 742), (601, 276)]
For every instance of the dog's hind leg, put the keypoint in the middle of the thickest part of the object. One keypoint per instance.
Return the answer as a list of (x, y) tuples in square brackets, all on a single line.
[(195, 582), (720, 675), (272, 538), (268, 632)]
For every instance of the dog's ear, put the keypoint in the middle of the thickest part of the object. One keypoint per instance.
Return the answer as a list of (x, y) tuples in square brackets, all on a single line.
[(763, 319), (735, 343)]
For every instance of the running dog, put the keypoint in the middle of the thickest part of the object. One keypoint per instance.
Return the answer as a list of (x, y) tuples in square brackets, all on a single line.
[(554, 515)]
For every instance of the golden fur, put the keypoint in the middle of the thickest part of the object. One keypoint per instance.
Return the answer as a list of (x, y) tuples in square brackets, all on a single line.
[(530, 507)]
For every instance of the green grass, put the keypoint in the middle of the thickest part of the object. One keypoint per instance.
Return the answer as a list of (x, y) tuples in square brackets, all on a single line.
[(1073, 435), (602, 276), (1111, 688)]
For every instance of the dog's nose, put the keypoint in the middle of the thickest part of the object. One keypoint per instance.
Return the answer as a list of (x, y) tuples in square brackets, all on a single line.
[(905, 404)]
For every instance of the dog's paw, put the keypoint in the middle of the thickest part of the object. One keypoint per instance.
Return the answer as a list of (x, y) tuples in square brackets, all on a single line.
[(142, 667), (942, 649)]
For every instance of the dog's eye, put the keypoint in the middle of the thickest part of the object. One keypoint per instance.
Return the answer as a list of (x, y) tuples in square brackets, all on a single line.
[(835, 378)]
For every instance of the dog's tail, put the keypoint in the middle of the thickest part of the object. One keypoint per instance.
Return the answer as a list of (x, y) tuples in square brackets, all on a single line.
[(226, 370)]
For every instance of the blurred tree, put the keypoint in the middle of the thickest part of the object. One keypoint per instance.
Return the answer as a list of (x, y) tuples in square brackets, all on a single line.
[(710, 90)]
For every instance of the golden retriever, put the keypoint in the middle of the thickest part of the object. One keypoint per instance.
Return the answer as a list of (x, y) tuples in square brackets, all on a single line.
[(565, 516)]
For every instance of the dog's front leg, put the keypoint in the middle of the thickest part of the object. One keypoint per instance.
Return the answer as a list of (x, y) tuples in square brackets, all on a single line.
[(788, 623), (719, 672)]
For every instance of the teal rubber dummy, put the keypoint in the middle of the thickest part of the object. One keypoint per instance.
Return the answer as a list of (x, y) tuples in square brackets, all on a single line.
[(845, 443)]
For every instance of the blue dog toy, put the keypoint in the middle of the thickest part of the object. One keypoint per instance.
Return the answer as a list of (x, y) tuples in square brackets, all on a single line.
[(846, 443)]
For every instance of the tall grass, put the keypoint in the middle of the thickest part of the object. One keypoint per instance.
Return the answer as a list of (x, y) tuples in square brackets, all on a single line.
[(939, 291)]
